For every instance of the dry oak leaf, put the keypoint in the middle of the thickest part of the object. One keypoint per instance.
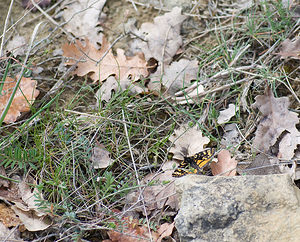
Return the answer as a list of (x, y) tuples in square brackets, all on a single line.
[(226, 166), (101, 157), (227, 114), (162, 193), (26, 207), (165, 230), (290, 49), (82, 17), (31, 220), (86, 57), (176, 76), (111, 85), (162, 38), (277, 120), (24, 97), (187, 141)]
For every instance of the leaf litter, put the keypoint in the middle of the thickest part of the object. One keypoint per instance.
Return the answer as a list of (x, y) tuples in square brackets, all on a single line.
[(171, 76), (25, 207)]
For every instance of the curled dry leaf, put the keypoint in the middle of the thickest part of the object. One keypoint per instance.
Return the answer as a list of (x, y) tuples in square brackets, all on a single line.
[(226, 166), (227, 114), (187, 142), (82, 19), (162, 38), (31, 221), (165, 230), (277, 126), (101, 157), (86, 57), (24, 97), (160, 194), (24, 198), (290, 48)]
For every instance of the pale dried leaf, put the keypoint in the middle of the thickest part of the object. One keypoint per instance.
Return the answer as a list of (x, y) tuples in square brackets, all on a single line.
[(31, 221), (156, 196), (111, 85), (290, 48), (22, 100), (82, 17), (276, 120), (121, 66), (187, 142), (162, 38), (101, 157), (17, 46), (242, 5), (231, 136), (226, 166), (28, 195), (179, 75), (227, 114)]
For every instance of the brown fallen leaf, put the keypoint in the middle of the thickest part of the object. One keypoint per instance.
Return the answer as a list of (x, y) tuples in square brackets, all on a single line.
[(121, 66), (165, 230), (187, 142), (278, 125), (160, 194), (132, 231), (290, 48), (24, 97), (226, 166), (101, 157)]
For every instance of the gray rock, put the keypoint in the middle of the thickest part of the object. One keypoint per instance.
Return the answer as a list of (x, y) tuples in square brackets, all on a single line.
[(240, 208)]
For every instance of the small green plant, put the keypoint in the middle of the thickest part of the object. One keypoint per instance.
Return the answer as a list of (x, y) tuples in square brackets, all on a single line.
[(13, 156)]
